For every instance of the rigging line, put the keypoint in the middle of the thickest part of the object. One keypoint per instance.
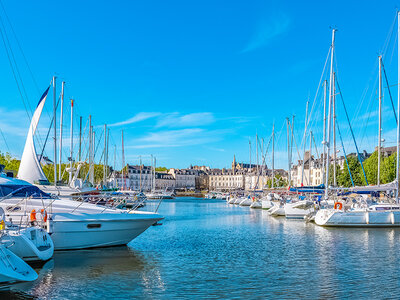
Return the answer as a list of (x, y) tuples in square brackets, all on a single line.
[(5, 141), (20, 48), (319, 85), (351, 130), (315, 145), (15, 63), (14, 75), (390, 34), (294, 139), (390, 94), (344, 153), (48, 133)]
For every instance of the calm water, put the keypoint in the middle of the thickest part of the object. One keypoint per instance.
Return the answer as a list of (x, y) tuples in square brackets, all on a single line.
[(210, 249)]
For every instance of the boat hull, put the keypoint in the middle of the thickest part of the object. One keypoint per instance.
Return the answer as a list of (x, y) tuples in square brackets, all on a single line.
[(72, 233), (337, 218)]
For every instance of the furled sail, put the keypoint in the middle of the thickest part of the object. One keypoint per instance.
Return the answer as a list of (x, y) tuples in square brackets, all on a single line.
[(30, 169)]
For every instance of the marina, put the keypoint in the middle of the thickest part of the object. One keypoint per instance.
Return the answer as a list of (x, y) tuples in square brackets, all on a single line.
[(204, 244), (213, 151)]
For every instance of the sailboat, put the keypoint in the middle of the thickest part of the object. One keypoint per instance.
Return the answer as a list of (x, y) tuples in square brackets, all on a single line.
[(72, 224), (377, 214)]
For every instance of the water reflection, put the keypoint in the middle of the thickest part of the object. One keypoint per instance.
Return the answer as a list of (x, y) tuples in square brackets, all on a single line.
[(210, 249)]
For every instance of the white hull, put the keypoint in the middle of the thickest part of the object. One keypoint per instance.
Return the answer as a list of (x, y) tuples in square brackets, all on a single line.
[(298, 210), (232, 201), (266, 204), (30, 244), (71, 233), (246, 202), (337, 218), (75, 225), (14, 269), (277, 210), (256, 204)]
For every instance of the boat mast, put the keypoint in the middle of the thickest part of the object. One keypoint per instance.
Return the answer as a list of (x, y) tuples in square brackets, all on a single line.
[(140, 168), (90, 149), (398, 108), (273, 146), (380, 121), (334, 125), (55, 130), (324, 134), (71, 141), (250, 153), (257, 153), (309, 161), (123, 160), (80, 139), (108, 142), (329, 117), (304, 145), (105, 159), (61, 129), (288, 148)]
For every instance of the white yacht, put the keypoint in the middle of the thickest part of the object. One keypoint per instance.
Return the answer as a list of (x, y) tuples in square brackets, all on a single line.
[(298, 209), (71, 224), (377, 215), (29, 243)]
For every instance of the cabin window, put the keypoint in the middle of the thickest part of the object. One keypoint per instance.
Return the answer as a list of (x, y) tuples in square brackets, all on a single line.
[(91, 226)]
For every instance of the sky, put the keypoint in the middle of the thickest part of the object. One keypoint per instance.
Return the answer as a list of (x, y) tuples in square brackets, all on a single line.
[(190, 82)]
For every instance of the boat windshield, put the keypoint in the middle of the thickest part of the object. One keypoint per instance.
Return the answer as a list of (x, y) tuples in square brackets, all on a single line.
[(16, 190)]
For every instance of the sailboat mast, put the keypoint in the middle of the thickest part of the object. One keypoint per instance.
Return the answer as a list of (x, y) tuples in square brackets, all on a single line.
[(273, 146), (398, 108), (257, 153), (71, 154), (123, 160), (304, 145), (250, 153), (334, 126), (324, 134), (61, 129), (55, 130), (329, 117), (309, 161), (80, 139), (380, 121), (90, 149), (105, 154), (288, 149)]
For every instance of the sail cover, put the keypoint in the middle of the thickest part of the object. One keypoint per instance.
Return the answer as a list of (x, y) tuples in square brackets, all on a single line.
[(30, 169)]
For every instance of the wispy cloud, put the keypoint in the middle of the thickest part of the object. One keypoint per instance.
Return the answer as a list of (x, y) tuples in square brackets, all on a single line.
[(188, 120), (136, 118), (176, 138), (267, 30)]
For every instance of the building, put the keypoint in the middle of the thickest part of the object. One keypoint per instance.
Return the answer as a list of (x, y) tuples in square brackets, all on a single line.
[(225, 180), (164, 181), (184, 178)]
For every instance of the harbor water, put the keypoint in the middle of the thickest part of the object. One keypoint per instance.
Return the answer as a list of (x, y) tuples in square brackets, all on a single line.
[(210, 249)]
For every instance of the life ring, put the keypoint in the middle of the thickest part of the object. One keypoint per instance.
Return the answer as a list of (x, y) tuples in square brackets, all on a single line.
[(33, 215), (338, 205), (43, 212)]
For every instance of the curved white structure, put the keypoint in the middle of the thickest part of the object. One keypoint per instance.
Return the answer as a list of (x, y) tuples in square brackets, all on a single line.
[(30, 244), (72, 224), (380, 215), (246, 202), (13, 269), (266, 204), (277, 210), (298, 209), (256, 204)]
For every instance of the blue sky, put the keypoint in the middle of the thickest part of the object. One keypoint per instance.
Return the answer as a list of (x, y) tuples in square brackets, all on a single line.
[(191, 81)]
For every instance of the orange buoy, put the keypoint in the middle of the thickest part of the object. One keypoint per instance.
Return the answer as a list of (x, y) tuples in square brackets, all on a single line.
[(44, 214), (33, 215), (338, 205)]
